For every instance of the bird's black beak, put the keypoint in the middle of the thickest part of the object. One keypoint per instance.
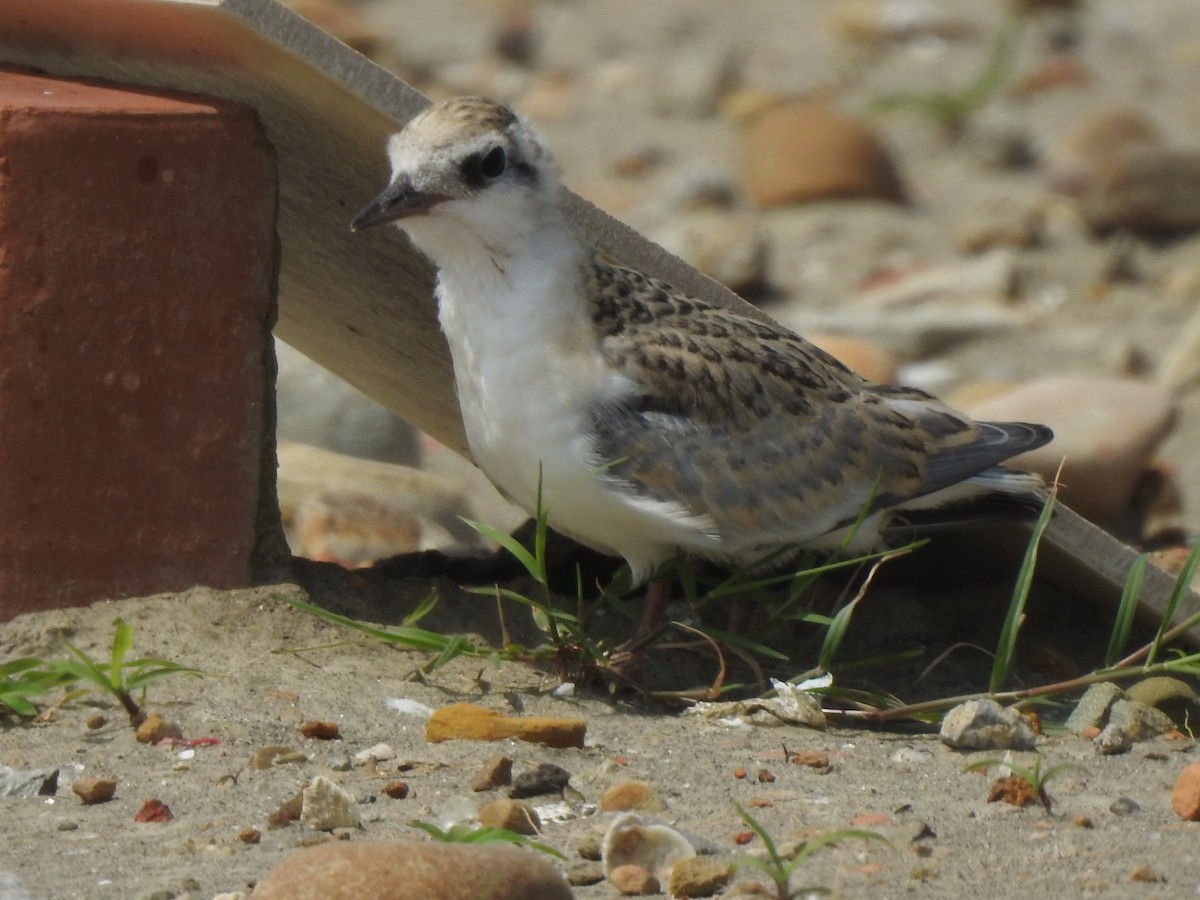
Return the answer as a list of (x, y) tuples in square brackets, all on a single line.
[(399, 200)]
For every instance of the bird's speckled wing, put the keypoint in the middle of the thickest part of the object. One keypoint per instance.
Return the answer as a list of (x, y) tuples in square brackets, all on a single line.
[(753, 427)]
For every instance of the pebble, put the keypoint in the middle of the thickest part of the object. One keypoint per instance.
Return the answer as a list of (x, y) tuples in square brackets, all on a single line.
[(806, 150), (1094, 144), (728, 247), (404, 870), (1091, 710), (154, 810), (698, 877), (155, 728), (397, 790), (377, 753), (1124, 806), (321, 731), (632, 796), (1138, 720), (633, 881), (544, 779), (94, 790), (351, 528), (1172, 696), (1185, 797), (467, 722), (584, 872), (1146, 191), (325, 806), (634, 840), (1106, 428), (985, 725), (275, 755), (496, 772), (514, 815)]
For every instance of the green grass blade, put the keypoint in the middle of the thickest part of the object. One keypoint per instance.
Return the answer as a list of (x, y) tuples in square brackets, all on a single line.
[(1006, 647), (1183, 585), (1123, 624), (122, 643), (512, 546)]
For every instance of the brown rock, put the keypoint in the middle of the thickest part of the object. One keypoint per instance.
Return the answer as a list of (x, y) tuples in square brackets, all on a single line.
[(514, 815), (1105, 428), (321, 731), (154, 810), (698, 877), (807, 150), (403, 870), (467, 722), (155, 728), (1146, 191), (1094, 144), (633, 881), (250, 836), (496, 772), (1185, 798), (94, 790), (397, 790), (627, 796)]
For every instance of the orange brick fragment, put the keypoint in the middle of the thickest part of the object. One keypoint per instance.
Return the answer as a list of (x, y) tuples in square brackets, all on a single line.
[(468, 722)]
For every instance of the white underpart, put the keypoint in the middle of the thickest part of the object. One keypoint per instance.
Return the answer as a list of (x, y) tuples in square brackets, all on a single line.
[(528, 371)]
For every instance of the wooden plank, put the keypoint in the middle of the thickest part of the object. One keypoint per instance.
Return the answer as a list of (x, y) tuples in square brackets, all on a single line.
[(362, 305)]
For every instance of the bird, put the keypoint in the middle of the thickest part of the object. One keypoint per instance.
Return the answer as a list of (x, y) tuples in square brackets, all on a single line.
[(646, 422)]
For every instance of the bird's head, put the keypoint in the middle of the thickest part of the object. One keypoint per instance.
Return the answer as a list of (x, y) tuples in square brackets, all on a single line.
[(465, 163)]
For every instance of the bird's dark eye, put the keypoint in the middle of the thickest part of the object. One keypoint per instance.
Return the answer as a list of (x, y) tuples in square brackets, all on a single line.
[(493, 165)]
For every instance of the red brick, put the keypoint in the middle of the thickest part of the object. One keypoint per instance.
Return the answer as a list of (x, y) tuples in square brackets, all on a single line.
[(137, 277)]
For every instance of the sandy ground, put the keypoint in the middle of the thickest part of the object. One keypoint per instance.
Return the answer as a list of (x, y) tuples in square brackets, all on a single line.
[(267, 667)]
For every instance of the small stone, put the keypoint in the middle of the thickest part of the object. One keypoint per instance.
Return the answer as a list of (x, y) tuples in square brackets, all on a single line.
[(690, 82), (985, 725), (275, 755), (397, 790), (467, 722), (1092, 708), (1145, 874), (1185, 797), (1139, 721), (496, 772), (583, 873), (633, 881), (1083, 822), (155, 728), (325, 806), (94, 790), (377, 753), (1124, 806), (154, 810), (250, 836), (513, 815), (1094, 145), (95, 722), (1013, 790), (1146, 191), (321, 731), (403, 870), (814, 759), (698, 877), (1112, 741), (807, 150), (632, 796), (547, 778), (589, 847), (1107, 429), (287, 813)]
